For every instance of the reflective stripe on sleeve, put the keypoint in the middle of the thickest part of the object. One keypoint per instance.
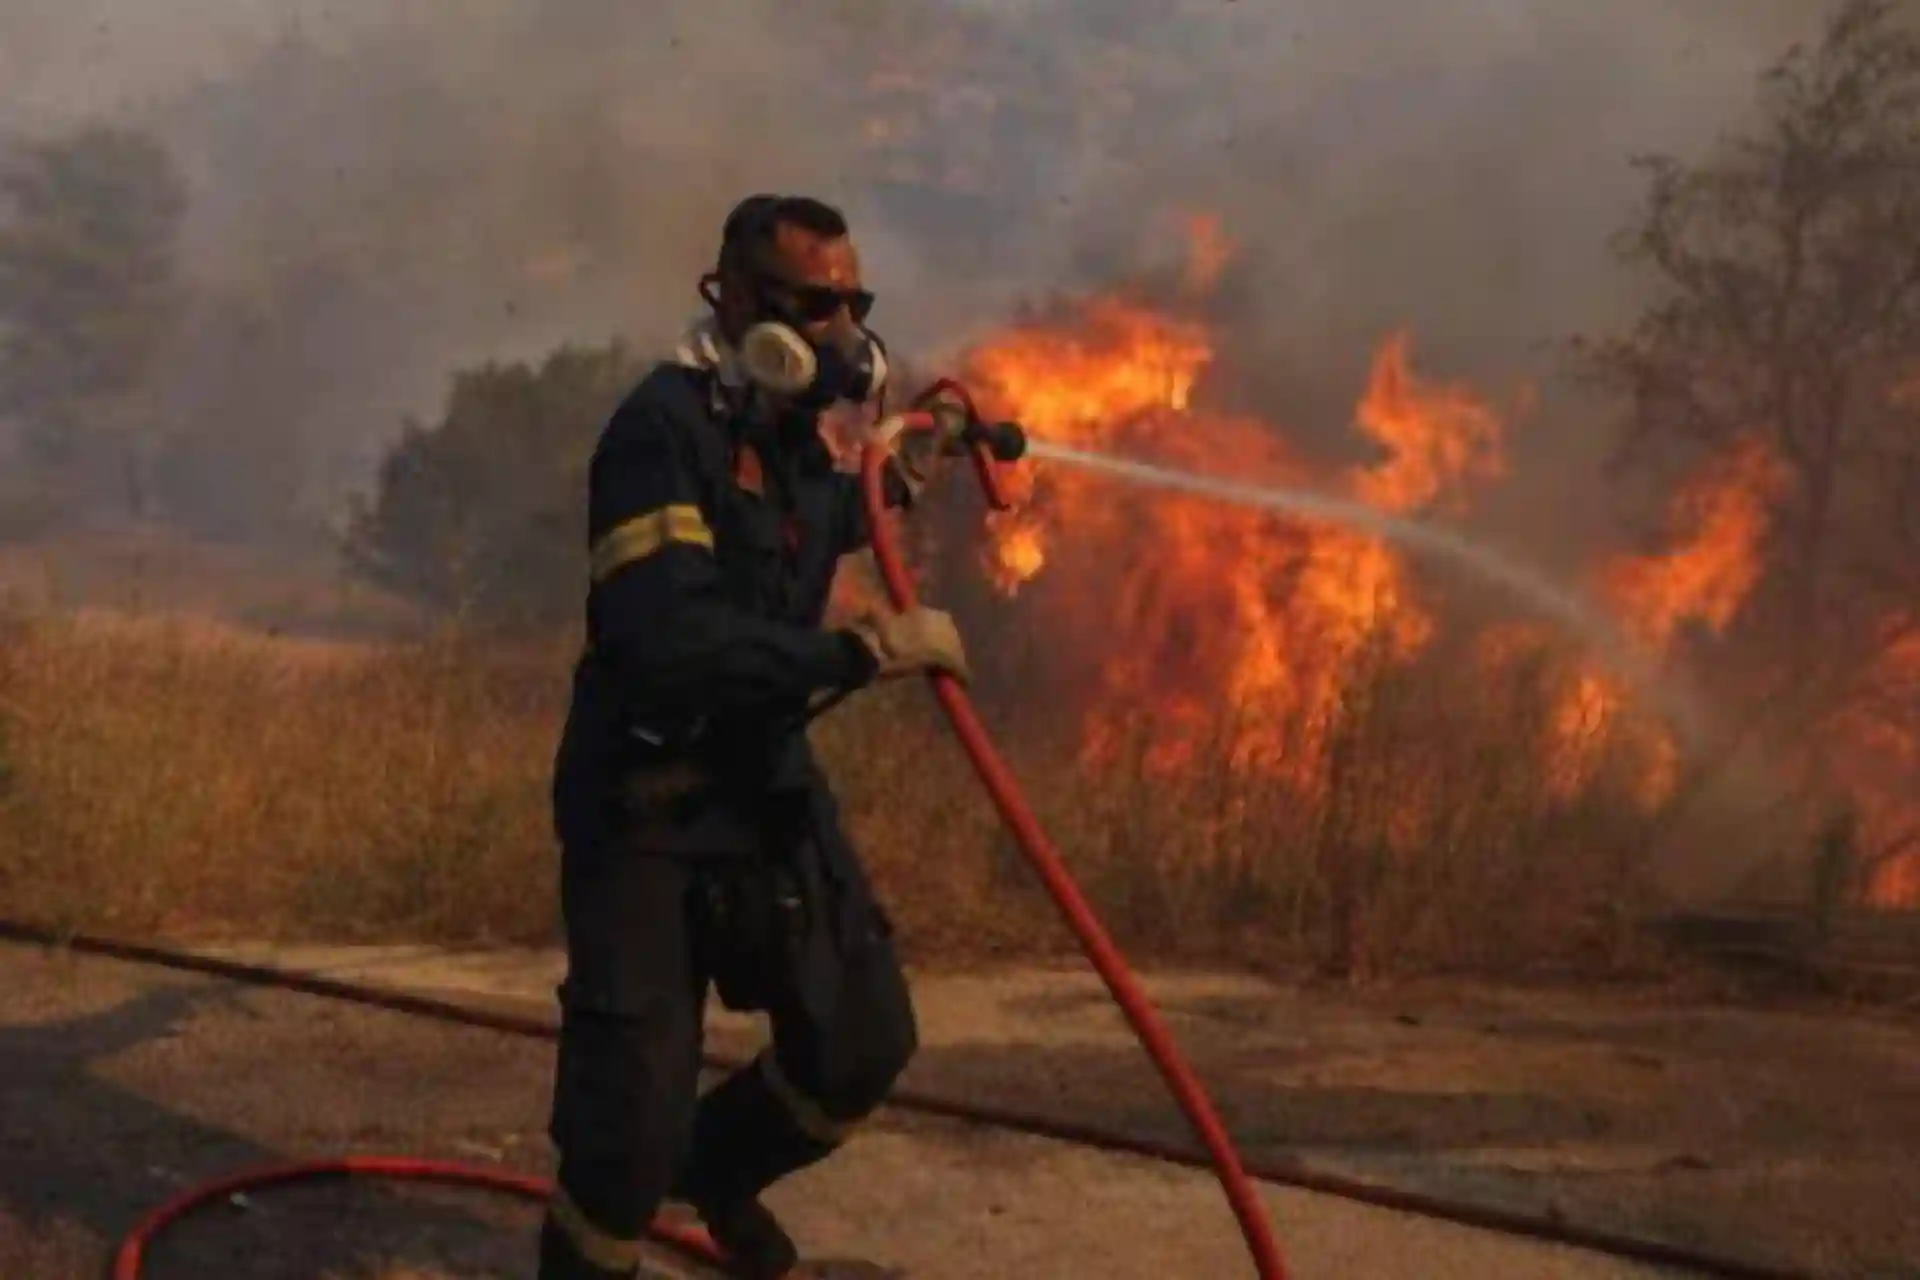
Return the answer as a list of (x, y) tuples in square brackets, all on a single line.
[(642, 536)]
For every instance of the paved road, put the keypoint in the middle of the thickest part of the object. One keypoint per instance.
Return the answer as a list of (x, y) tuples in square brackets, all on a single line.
[(121, 1084)]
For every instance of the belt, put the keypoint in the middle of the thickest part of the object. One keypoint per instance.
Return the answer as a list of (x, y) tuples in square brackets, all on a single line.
[(651, 786)]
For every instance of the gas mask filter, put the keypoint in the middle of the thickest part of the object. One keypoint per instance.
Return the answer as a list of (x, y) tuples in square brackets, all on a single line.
[(850, 366)]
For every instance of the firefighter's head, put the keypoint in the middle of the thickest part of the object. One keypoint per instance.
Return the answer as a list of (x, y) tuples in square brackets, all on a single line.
[(787, 296)]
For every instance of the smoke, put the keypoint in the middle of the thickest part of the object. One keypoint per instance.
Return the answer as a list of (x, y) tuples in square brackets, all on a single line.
[(1456, 169), (385, 190)]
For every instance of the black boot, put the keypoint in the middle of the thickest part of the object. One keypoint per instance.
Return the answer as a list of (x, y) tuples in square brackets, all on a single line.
[(756, 1245), (559, 1260)]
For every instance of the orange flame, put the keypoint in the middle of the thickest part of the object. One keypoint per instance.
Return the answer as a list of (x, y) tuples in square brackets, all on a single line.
[(1876, 743), (1212, 604), (1437, 436), (1208, 251), (1721, 520), (1896, 884), (1718, 521), (1185, 609), (1088, 386)]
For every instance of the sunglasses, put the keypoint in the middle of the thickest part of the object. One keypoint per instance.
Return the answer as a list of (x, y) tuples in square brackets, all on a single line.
[(812, 303)]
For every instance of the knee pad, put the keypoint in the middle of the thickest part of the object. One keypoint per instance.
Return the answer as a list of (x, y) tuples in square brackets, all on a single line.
[(821, 1107), (845, 1080)]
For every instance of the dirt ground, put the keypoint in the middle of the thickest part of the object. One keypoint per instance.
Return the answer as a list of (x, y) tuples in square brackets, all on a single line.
[(1780, 1136)]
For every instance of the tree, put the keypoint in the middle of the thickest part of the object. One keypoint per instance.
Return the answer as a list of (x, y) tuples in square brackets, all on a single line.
[(483, 516), (1788, 270), (1787, 273), (87, 297), (230, 453)]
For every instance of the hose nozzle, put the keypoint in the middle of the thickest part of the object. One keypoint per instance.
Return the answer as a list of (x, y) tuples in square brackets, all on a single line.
[(1006, 441)]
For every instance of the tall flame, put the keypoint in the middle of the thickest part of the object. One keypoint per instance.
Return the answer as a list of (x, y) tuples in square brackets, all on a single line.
[(1238, 635), (1092, 385), (1718, 523), (1436, 436), (1215, 604)]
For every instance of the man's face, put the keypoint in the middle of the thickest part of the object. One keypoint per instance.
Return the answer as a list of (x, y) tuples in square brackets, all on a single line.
[(815, 280)]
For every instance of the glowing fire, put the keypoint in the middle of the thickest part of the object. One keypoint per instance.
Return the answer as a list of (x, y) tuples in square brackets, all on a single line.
[(1436, 436), (1220, 633), (1717, 525), (1876, 742), (1719, 521), (1208, 251), (1216, 604), (1091, 385)]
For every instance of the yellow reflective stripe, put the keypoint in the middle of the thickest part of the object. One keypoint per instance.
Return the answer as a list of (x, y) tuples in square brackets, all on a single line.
[(640, 537), (808, 1114), (605, 1251)]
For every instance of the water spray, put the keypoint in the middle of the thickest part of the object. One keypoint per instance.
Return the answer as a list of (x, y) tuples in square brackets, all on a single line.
[(1538, 590)]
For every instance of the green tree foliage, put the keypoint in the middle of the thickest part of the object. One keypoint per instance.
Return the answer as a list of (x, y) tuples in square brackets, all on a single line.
[(482, 515), (88, 224)]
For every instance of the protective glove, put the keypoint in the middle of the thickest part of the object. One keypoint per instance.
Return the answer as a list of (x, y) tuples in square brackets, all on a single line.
[(919, 641)]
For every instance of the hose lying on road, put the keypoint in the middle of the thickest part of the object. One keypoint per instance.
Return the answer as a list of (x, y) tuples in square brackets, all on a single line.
[(131, 1256), (1548, 1229)]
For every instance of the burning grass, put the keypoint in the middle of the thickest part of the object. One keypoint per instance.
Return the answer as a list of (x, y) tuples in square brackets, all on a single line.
[(166, 776)]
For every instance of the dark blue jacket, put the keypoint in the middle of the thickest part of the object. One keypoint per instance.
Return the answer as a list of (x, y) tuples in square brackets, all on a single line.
[(712, 542)]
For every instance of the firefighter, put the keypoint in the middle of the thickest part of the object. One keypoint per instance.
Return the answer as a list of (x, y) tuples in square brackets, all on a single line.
[(700, 845)]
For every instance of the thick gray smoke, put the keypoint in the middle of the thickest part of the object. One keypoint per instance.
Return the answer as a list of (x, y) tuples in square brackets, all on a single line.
[(382, 191)]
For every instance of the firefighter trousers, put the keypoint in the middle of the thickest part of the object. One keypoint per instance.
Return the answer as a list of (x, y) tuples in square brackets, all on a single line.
[(800, 938)]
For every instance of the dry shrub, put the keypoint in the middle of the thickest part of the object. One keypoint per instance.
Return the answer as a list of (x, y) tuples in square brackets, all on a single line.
[(181, 777), (176, 775), (1415, 830)]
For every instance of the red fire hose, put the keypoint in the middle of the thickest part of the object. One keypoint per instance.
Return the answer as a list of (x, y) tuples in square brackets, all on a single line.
[(1001, 785), (131, 1256), (1005, 790)]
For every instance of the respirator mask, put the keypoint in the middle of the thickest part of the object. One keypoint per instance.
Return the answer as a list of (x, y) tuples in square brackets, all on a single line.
[(848, 362)]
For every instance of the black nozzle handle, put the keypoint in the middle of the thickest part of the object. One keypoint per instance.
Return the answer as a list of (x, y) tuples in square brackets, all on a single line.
[(1006, 441)]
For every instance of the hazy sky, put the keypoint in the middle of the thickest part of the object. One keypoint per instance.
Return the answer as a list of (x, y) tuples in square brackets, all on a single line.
[(409, 185)]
